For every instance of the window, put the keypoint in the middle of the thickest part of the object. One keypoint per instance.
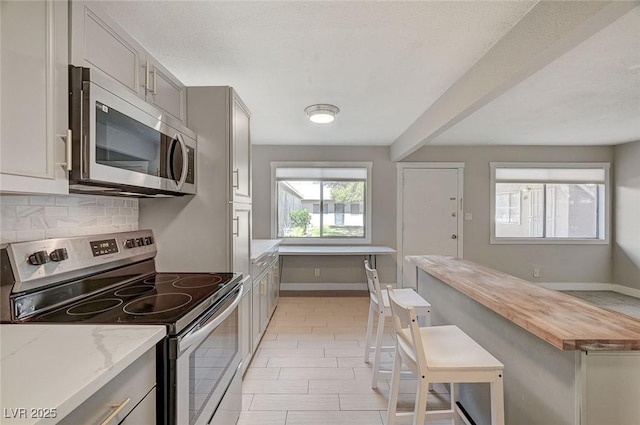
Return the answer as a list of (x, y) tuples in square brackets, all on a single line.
[(322, 202), (508, 207), (549, 203)]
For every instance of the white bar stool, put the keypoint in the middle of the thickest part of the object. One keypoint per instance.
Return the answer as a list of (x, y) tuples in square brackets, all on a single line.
[(383, 310), (440, 354)]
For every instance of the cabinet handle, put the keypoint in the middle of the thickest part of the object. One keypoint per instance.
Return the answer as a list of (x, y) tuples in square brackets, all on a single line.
[(68, 158), (236, 232), (235, 174), (155, 81), (113, 414), (146, 77)]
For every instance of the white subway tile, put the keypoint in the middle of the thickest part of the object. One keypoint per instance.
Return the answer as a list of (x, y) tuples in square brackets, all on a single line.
[(112, 211), (56, 211), (105, 221), (104, 201), (29, 211), (7, 236), (8, 212), (15, 224), (30, 235), (39, 223), (136, 212), (56, 233), (14, 200), (126, 211), (119, 219), (42, 200), (76, 201), (97, 211), (78, 211), (119, 202), (131, 219), (126, 227)]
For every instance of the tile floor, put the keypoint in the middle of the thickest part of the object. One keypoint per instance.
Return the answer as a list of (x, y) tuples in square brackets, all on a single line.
[(309, 368)]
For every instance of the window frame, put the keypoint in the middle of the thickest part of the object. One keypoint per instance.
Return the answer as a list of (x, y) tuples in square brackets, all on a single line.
[(366, 240), (547, 240)]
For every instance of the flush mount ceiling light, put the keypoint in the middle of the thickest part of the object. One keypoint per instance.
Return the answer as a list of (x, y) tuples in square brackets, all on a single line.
[(321, 113)]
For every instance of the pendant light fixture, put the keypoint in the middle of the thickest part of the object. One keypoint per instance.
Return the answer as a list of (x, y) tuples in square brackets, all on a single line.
[(321, 113)]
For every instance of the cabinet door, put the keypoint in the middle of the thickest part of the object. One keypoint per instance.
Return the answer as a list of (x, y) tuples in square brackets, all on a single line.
[(241, 239), (246, 337), (255, 314), (144, 412), (34, 96), (240, 150), (165, 91), (101, 44), (264, 302)]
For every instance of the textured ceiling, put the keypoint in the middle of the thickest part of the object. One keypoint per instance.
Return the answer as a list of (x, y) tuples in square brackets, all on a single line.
[(590, 95), (382, 63), (385, 63)]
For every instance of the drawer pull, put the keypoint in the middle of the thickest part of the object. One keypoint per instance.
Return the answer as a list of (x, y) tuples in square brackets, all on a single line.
[(113, 414)]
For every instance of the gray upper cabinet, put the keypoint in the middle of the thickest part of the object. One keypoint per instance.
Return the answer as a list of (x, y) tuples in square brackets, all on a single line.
[(240, 150), (34, 96), (164, 90), (100, 43)]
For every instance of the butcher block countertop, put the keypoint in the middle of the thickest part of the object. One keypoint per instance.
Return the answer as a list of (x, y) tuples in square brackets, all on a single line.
[(564, 321)]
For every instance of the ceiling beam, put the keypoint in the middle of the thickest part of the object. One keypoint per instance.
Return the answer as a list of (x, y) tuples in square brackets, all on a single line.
[(549, 30)]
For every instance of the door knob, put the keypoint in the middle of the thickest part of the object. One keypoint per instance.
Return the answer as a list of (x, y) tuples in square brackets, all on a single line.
[(454, 237)]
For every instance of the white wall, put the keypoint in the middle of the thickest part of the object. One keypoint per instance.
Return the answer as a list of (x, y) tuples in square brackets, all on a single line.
[(557, 263), (28, 218), (626, 248)]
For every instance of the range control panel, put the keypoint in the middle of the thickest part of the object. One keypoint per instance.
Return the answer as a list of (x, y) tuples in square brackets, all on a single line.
[(38, 263)]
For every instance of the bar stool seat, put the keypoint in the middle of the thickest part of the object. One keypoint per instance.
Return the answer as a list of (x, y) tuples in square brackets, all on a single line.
[(440, 354), (383, 310)]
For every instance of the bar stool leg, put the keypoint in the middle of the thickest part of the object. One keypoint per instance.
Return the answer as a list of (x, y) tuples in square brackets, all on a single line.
[(376, 358), (455, 397), (497, 400), (395, 388), (367, 342), (420, 410)]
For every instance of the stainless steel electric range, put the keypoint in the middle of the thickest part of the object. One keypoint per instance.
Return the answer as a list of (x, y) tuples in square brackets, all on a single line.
[(111, 279)]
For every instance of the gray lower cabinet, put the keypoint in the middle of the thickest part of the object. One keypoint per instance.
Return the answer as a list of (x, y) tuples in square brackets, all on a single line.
[(129, 398), (34, 96), (99, 43), (264, 298), (246, 316)]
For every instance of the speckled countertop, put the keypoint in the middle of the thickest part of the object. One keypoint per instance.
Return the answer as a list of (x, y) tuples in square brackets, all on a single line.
[(61, 366)]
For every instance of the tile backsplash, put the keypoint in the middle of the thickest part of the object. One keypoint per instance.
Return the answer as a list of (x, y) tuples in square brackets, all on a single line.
[(25, 218)]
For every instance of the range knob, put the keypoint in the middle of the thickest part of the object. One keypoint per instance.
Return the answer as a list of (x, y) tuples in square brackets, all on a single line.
[(38, 258), (59, 254), (148, 240), (139, 242), (129, 243)]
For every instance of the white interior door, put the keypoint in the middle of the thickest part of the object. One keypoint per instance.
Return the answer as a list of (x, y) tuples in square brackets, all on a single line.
[(430, 216)]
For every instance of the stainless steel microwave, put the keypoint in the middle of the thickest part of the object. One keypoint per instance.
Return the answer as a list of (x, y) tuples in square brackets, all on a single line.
[(122, 146)]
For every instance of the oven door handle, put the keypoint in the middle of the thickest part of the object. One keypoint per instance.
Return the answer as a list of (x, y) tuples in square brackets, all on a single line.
[(201, 331)]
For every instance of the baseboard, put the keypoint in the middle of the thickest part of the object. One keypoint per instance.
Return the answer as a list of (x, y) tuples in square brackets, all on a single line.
[(586, 286), (323, 286)]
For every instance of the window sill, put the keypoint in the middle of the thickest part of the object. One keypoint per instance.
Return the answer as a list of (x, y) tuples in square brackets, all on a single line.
[(548, 241)]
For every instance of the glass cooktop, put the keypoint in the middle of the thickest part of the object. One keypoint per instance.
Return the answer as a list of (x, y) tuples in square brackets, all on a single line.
[(163, 298)]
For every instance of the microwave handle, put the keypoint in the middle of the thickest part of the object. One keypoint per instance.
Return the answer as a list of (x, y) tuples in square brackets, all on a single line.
[(202, 330), (185, 161)]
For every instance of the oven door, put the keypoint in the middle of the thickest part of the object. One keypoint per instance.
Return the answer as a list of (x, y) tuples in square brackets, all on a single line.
[(207, 363)]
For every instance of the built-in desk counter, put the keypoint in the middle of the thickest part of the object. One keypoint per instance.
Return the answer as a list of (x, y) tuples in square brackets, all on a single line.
[(566, 361)]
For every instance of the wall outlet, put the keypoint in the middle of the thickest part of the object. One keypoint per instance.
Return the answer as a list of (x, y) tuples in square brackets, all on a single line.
[(536, 272), (316, 272)]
